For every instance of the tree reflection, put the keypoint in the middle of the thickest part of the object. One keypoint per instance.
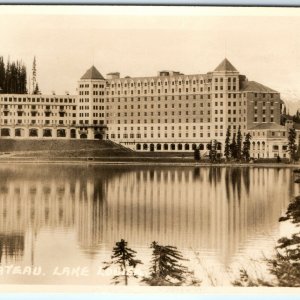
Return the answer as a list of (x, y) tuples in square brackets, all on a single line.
[(11, 246)]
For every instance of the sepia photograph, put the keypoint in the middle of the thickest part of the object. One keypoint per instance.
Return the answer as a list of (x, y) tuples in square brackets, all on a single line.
[(149, 146)]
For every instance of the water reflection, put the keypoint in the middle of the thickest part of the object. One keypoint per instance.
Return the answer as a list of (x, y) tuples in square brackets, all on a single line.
[(11, 247), (217, 210)]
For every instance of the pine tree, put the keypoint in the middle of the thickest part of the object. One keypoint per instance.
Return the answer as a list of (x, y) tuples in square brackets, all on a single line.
[(286, 263), (197, 156), (246, 147), (2, 75), (227, 145), (166, 267), (239, 144), (36, 90), (233, 148), (213, 153), (23, 80), (292, 147), (124, 258), (34, 75)]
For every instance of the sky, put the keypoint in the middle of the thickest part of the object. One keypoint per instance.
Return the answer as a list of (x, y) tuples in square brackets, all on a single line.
[(262, 43)]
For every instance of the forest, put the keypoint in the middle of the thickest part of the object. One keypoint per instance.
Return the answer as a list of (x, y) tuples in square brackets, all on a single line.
[(13, 77)]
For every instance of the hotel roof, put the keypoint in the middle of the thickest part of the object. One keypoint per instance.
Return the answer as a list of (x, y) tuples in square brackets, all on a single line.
[(253, 86), (92, 73), (225, 65), (271, 126)]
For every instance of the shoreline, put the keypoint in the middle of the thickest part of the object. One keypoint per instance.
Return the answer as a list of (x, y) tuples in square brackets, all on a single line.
[(154, 162)]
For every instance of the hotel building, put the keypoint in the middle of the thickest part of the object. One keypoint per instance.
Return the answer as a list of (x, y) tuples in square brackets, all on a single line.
[(167, 112)]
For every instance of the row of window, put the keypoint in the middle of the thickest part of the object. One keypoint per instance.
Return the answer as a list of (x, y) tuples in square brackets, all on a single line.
[(165, 135), (34, 107), (166, 121), (157, 105), (264, 119), (166, 113), (166, 128), (273, 133), (38, 100), (19, 121), (187, 97), (172, 82), (36, 114)]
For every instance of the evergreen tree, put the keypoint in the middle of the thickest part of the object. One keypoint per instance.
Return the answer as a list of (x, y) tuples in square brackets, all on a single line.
[(2, 75), (166, 267), (124, 258), (197, 156), (246, 147), (36, 90), (239, 142), (23, 80), (286, 264), (213, 153), (227, 144), (233, 148), (292, 147)]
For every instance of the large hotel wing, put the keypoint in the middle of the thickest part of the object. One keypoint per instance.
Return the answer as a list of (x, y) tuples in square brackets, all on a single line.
[(167, 112)]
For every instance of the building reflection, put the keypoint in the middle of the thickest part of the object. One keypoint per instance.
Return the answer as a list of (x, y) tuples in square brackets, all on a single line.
[(215, 209)]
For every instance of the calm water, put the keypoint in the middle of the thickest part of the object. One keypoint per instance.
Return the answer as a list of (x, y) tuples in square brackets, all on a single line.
[(55, 216)]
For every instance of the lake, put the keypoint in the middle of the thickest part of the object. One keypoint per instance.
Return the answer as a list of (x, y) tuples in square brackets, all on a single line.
[(59, 221)]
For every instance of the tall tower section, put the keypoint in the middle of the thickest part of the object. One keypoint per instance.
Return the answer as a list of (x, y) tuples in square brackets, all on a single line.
[(91, 120), (228, 105)]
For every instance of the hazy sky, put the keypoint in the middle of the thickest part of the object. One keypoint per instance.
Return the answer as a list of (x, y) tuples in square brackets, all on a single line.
[(140, 42)]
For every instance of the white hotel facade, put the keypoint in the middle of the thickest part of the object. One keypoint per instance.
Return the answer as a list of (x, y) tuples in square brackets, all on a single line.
[(168, 112)]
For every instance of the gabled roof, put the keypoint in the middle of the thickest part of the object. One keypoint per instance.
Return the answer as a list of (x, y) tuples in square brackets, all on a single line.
[(225, 65), (264, 126), (253, 86), (92, 73)]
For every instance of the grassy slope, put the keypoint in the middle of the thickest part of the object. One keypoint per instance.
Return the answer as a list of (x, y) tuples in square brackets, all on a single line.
[(77, 149)]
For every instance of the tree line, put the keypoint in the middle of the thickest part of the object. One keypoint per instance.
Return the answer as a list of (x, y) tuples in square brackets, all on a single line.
[(237, 148), (13, 77)]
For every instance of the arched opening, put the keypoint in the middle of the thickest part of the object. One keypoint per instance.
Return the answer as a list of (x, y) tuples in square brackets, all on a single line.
[(33, 132), (263, 145), (151, 147), (166, 146), (83, 136), (219, 146), (194, 146), (5, 132), (186, 147), (98, 136), (158, 146), (73, 133), (19, 132), (201, 147), (172, 146), (145, 147), (179, 147), (258, 145), (61, 133), (253, 145), (47, 132), (138, 146), (208, 146)]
